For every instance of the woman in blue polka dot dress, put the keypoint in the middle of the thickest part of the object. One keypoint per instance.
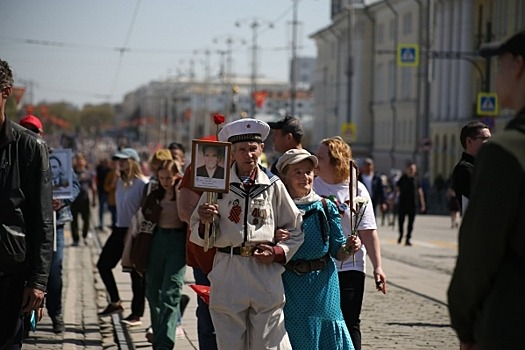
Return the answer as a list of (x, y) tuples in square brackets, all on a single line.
[(312, 312)]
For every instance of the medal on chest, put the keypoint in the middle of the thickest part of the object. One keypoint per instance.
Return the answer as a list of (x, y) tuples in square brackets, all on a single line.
[(259, 213), (235, 212)]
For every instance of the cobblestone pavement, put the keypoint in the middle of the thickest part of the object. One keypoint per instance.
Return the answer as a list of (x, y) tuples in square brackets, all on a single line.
[(413, 315), (403, 320), (79, 308)]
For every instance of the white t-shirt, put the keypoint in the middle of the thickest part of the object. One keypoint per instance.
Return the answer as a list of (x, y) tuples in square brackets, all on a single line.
[(342, 193)]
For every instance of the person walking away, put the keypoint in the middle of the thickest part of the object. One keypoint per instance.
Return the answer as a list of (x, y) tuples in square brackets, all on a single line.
[(102, 170), (110, 186), (63, 215), (410, 194), (128, 194), (26, 220), (485, 296), (81, 204), (472, 137), (374, 185), (333, 180), (249, 316)]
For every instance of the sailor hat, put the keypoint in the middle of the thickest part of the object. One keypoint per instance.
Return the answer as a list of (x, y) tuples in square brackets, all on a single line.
[(244, 130)]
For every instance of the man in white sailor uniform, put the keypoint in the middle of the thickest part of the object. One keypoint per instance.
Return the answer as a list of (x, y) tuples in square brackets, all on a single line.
[(247, 295)]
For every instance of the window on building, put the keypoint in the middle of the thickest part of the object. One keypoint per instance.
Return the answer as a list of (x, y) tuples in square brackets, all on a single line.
[(380, 36), (391, 79), (406, 82), (407, 23), (379, 83), (391, 29)]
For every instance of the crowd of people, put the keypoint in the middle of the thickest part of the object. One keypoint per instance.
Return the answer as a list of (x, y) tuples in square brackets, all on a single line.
[(288, 237)]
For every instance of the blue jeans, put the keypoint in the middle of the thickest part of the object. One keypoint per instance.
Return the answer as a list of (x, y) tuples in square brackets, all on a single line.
[(54, 282), (205, 329)]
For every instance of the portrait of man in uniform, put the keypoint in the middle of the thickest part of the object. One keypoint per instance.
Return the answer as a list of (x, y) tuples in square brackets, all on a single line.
[(61, 172)]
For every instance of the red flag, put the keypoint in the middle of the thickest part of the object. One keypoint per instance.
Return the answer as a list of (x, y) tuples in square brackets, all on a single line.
[(259, 97)]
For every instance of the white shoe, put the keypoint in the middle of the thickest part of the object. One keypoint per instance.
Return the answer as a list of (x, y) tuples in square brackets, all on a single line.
[(179, 333)]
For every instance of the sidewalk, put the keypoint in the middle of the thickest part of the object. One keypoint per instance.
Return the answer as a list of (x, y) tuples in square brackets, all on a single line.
[(401, 319), (79, 307), (84, 295)]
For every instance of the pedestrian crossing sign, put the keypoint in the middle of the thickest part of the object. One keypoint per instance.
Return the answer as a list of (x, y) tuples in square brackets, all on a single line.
[(407, 55), (487, 103)]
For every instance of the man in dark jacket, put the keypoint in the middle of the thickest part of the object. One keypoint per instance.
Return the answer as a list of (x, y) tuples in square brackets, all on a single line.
[(26, 219), (373, 183), (485, 297), (472, 137)]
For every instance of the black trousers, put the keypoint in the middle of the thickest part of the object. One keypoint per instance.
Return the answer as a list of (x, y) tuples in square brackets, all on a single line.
[(11, 293), (108, 260), (81, 207), (352, 288), (411, 214)]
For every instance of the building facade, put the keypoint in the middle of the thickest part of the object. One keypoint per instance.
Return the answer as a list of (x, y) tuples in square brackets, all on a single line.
[(397, 113)]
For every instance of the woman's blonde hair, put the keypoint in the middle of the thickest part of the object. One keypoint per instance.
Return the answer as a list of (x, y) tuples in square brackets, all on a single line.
[(134, 172), (340, 155), (171, 165)]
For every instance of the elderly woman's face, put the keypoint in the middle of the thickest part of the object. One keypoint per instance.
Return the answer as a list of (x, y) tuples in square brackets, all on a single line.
[(299, 177)]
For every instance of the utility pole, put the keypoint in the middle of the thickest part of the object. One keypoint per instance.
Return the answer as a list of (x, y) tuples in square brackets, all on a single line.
[(428, 78), (207, 121), (254, 25), (293, 66), (30, 85), (350, 64), (230, 40)]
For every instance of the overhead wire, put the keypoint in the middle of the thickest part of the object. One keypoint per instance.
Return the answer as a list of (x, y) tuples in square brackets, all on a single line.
[(124, 47)]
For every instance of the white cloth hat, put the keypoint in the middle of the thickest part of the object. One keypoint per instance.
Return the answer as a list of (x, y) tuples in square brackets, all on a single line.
[(244, 130), (294, 156)]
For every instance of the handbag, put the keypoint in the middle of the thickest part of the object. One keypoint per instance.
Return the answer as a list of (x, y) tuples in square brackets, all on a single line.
[(141, 246)]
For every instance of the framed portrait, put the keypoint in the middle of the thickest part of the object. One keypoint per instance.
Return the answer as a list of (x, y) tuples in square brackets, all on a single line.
[(60, 162), (210, 166), (354, 172)]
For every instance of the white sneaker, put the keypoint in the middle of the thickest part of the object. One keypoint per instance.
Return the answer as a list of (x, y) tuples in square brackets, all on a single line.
[(179, 333)]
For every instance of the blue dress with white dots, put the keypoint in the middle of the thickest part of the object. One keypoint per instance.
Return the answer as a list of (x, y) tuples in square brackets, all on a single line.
[(312, 312)]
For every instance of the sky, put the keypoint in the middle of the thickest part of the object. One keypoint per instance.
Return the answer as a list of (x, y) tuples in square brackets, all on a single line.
[(71, 50)]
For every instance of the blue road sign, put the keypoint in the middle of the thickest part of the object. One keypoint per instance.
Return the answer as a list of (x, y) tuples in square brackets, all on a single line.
[(487, 103), (407, 55)]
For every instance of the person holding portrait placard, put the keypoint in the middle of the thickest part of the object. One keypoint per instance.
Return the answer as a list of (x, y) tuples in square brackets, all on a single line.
[(249, 316), (61, 206)]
